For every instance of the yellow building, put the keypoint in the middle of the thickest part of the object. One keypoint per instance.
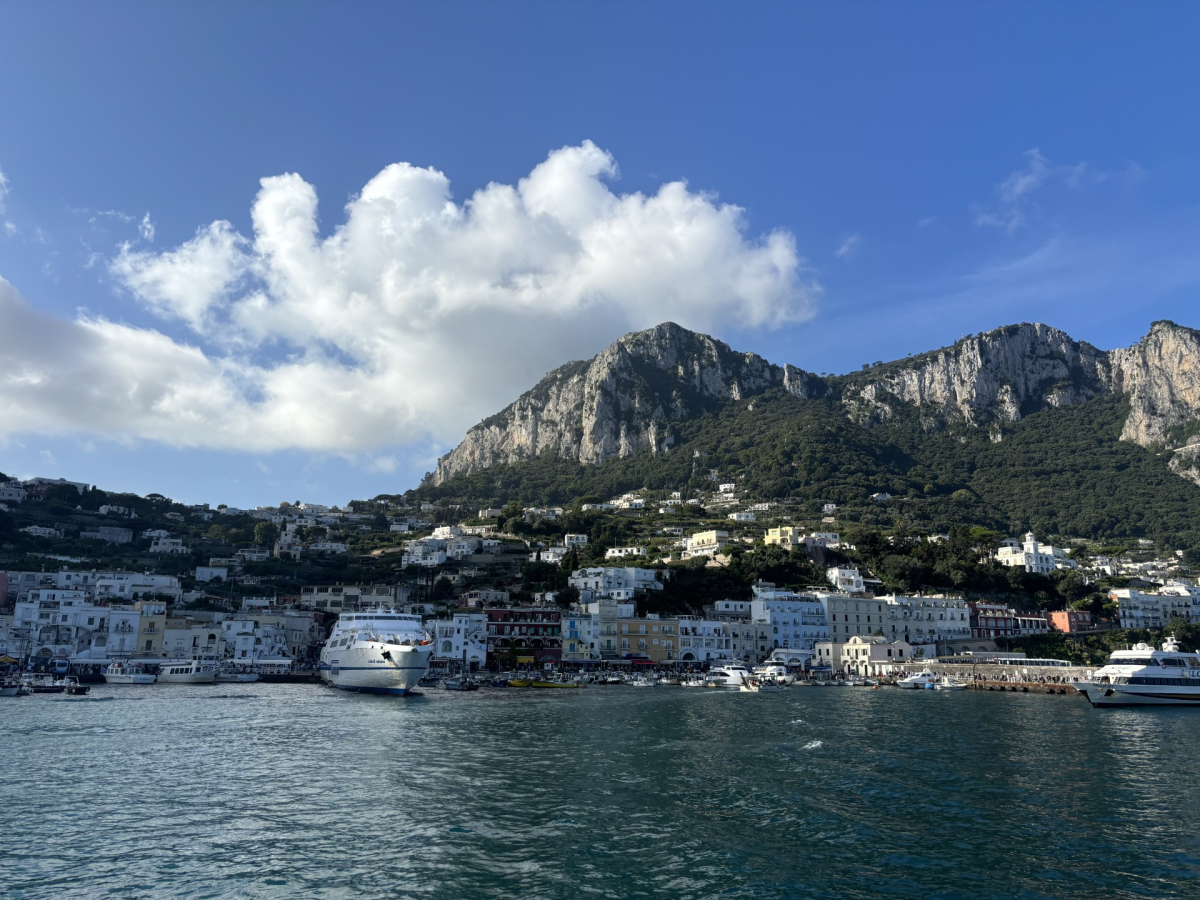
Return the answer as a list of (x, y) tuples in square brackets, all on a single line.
[(648, 638), (788, 537)]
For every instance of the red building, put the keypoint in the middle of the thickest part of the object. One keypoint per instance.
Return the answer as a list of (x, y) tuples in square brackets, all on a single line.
[(524, 636), (1070, 620), (992, 620)]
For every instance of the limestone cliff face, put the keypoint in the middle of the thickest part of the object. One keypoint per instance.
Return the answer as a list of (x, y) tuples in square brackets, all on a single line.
[(621, 402), (1008, 373), (995, 377), (1161, 375), (626, 399)]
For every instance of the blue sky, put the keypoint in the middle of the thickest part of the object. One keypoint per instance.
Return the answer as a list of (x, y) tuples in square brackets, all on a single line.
[(906, 174)]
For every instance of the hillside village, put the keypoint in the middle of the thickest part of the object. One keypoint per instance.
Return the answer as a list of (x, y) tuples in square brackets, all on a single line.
[(639, 578)]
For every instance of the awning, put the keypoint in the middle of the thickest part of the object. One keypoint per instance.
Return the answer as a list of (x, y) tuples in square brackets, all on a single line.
[(7, 660), (642, 662), (525, 659)]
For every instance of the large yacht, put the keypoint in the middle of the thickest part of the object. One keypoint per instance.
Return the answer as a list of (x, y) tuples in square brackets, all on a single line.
[(1144, 676), (376, 652), (728, 676)]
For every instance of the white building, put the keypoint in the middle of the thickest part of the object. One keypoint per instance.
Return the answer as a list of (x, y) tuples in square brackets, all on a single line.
[(575, 540), (212, 573), (581, 636), (846, 580), (609, 583), (704, 641), (1033, 556), (791, 622), (864, 655), (742, 517), (463, 632), (169, 546), (1139, 609), (42, 531), (11, 493), (706, 543), (621, 552)]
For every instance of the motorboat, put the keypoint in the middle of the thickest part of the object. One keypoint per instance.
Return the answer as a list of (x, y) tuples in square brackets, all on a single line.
[(775, 672), (552, 683), (761, 685), (229, 676), (74, 687), (43, 684), (730, 676), (692, 681), (919, 681), (641, 681), (459, 683), (186, 671), (1143, 676), (376, 652), (128, 673), (946, 683), (14, 689)]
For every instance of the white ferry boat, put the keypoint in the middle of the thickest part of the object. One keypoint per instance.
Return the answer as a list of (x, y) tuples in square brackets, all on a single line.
[(774, 672), (921, 681), (376, 652), (1144, 676), (122, 673), (186, 671)]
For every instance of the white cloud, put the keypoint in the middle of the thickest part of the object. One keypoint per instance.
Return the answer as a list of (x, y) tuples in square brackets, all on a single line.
[(3, 190), (848, 247), (1014, 194), (413, 319), (146, 228)]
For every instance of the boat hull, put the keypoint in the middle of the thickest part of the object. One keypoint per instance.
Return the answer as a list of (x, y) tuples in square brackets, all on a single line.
[(1137, 695), (130, 679), (362, 668)]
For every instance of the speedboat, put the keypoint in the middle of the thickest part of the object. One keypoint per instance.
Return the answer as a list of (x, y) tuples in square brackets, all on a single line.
[(186, 671), (1143, 676), (692, 681), (459, 683), (641, 681), (552, 683), (72, 685), (43, 684), (376, 652), (760, 685), (775, 672), (228, 676), (920, 681), (128, 673), (946, 683), (730, 676), (14, 689)]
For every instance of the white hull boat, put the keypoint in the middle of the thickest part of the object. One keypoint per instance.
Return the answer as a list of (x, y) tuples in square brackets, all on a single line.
[(236, 677), (120, 673), (376, 652), (186, 672), (1143, 676)]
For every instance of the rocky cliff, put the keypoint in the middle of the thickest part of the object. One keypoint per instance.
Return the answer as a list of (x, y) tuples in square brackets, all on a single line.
[(626, 399), (1003, 375), (621, 402)]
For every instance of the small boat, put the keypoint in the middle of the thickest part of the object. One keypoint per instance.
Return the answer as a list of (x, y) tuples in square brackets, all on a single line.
[(120, 673), (228, 676), (459, 683), (43, 684), (946, 683), (920, 681), (14, 689), (72, 685), (641, 681), (550, 683), (519, 682), (692, 681), (614, 679), (498, 682), (761, 685)]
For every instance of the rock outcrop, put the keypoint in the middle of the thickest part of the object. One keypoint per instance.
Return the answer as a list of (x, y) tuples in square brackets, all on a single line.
[(622, 402), (1003, 375), (627, 399)]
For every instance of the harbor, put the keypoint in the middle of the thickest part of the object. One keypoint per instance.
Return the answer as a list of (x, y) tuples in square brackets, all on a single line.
[(298, 790)]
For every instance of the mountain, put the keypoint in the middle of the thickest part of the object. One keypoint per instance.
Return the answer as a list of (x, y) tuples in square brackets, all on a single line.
[(1010, 427)]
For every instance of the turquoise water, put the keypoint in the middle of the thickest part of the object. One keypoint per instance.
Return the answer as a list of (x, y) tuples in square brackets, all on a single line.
[(286, 791)]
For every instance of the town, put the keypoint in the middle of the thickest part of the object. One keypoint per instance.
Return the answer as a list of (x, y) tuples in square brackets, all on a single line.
[(506, 588)]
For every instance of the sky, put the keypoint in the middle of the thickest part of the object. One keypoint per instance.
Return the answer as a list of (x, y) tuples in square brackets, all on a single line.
[(292, 251)]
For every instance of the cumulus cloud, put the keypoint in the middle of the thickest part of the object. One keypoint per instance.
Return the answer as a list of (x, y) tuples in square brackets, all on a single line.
[(412, 319)]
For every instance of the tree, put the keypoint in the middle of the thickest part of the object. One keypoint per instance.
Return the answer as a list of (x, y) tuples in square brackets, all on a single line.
[(265, 534)]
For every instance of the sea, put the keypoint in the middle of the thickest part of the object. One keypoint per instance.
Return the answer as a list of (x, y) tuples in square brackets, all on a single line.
[(299, 791)]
